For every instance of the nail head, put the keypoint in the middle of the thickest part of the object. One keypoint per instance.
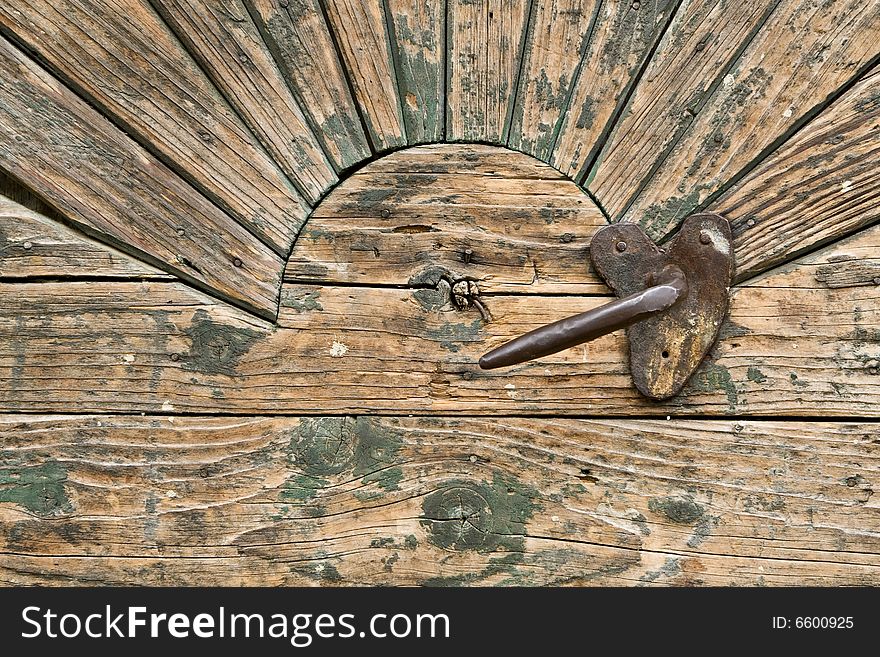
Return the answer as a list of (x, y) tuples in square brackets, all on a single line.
[(620, 246), (237, 262), (705, 238)]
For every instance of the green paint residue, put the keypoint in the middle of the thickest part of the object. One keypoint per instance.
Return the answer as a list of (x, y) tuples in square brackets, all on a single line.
[(451, 336), (680, 510), (714, 377), (306, 303), (324, 447), (756, 375), (301, 488), (468, 515), (216, 348), (39, 488)]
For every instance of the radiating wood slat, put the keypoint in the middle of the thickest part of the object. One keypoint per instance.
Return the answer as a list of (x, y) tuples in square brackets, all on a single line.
[(124, 58), (819, 186), (301, 42), (484, 47), (558, 36), (225, 41), (116, 191), (420, 47), (788, 348), (381, 501), (805, 52), (696, 53), (32, 246), (453, 211), (622, 36), (362, 34)]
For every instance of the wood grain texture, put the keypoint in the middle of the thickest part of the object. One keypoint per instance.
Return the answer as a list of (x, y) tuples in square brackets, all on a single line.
[(125, 60), (805, 52), (695, 54), (621, 39), (819, 186), (34, 246), (362, 34), (485, 41), (302, 44), (393, 346), (419, 28), (453, 212), (113, 189), (558, 35), (439, 501), (224, 40)]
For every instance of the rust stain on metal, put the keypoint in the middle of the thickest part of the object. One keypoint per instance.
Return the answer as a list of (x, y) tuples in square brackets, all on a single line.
[(667, 347)]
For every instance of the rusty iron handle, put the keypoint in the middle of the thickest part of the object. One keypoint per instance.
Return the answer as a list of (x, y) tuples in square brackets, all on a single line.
[(668, 287)]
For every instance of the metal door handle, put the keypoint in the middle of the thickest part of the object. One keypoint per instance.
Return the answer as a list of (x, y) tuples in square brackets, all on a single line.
[(673, 302), (592, 324)]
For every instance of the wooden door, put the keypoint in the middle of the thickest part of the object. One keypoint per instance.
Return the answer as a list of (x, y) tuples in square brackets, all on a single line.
[(251, 250)]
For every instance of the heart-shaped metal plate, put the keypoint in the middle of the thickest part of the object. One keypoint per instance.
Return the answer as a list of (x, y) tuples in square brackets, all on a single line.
[(667, 348)]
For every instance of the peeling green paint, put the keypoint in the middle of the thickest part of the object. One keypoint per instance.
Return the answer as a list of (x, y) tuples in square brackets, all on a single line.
[(301, 488), (756, 375), (305, 303), (680, 510), (326, 446), (38, 488), (216, 348), (387, 479), (712, 377), (469, 515), (452, 335), (504, 565), (323, 571)]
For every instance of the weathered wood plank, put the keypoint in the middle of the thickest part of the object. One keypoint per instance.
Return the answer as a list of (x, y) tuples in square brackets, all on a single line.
[(114, 190), (694, 55), (484, 47), (453, 211), (33, 245), (805, 52), (227, 45), (819, 186), (787, 349), (558, 35), (420, 47), (442, 501), (362, 34), (621, 39), (301, 42), (124, 59)]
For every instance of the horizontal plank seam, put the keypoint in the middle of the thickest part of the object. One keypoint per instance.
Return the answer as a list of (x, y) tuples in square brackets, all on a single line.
[(738, 418)]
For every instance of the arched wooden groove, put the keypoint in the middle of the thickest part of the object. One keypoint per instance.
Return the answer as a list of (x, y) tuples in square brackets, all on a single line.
[(500, 218)]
